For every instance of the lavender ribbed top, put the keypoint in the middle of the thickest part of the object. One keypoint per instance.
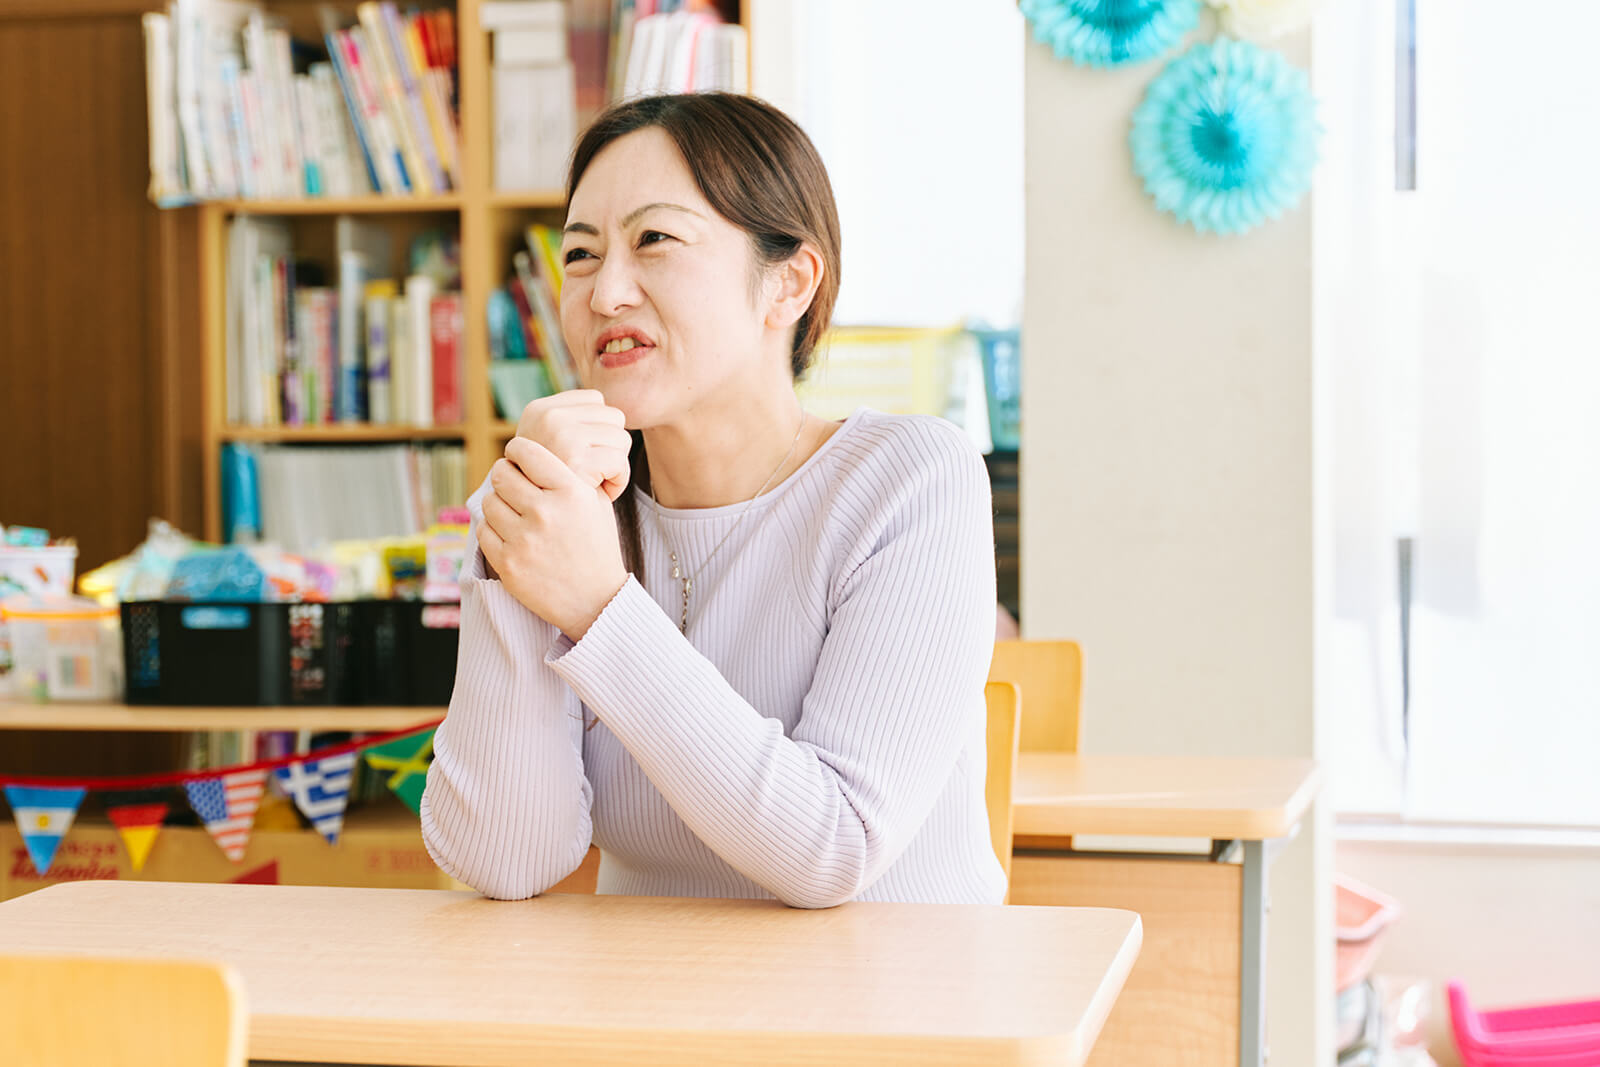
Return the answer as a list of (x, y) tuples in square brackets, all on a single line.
[(817, 737)]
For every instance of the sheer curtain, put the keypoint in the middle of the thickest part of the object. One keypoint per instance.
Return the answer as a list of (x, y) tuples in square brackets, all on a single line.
[(1461, 399)]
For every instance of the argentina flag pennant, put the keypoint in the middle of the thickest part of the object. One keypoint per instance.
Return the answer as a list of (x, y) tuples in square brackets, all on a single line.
[(43, 814), (321, 789)]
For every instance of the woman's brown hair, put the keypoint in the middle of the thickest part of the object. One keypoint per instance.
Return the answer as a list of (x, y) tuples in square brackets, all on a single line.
[(758, 169)]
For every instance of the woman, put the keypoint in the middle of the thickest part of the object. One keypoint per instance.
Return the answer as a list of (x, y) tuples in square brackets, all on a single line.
[(740, 648)]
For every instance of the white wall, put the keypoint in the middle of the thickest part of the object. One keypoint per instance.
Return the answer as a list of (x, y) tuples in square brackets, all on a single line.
[(1167, 480), (1517, 925), (916, 107)]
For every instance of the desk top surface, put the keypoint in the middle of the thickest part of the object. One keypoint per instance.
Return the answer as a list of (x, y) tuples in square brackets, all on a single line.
[(434, 976), (1250, 799)]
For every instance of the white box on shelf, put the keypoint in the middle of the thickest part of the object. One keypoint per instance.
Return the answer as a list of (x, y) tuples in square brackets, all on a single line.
[(522, 14), (529, 47), (535, 124)]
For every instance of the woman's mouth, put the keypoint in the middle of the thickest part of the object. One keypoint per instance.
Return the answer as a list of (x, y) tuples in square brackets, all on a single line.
[(623, 351)]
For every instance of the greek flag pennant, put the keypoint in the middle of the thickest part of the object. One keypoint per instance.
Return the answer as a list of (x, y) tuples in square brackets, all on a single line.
[(227, 805), (43, 814), (321, 789), (407, 758)]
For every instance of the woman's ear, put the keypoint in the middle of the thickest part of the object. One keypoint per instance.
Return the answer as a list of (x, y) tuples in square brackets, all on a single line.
[(795, 283)]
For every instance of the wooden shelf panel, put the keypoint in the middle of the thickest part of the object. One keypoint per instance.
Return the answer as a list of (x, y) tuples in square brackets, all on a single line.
[(343, 433), (536, 198), (65, 716), (360, 205), (503, 429)]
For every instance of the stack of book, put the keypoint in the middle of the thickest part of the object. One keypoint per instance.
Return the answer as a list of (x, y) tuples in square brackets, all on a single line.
[(238, 109), (305, 349), (535, 92), (675, 46), (300, 497), (528, 355)]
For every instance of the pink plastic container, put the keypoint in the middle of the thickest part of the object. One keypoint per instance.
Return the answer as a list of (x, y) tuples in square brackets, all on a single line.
[(1362, 914), (1549, 1035)]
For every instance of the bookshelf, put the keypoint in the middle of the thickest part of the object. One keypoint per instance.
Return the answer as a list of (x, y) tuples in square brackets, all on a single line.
[(490, 223)]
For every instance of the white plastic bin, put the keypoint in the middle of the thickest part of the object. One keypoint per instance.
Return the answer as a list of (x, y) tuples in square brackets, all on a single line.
[(63, 648)]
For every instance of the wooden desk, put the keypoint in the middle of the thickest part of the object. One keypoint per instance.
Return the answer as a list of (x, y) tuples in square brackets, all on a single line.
[(435, 977), (1197, 999)]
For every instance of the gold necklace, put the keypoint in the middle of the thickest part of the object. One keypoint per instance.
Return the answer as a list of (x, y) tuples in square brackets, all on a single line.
[(687, 581)]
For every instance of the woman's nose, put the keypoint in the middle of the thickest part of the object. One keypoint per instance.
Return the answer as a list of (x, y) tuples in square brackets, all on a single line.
[(615, 287)]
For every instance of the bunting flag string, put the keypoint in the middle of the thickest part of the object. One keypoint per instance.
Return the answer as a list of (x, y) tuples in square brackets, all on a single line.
[(225, 798), (43, 817), (227, 805), (146, 781), (138, 824), (320, 790), (408, 758)]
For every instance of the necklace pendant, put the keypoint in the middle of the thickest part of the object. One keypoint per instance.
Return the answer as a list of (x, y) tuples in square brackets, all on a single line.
[(688, 587)]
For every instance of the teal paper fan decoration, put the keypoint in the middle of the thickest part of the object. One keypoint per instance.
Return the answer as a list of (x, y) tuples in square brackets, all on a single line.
[(1110, 33), (1226, 137)]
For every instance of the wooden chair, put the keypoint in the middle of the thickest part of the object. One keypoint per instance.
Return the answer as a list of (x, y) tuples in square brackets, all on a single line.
[(1050, 676), (1005, 717), (68, 1010)]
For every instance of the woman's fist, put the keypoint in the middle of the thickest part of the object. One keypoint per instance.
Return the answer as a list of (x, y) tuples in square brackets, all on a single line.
[(580, 430)]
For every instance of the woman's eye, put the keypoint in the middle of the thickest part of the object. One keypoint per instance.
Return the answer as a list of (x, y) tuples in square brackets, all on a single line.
[(575, 254), (645, 238)]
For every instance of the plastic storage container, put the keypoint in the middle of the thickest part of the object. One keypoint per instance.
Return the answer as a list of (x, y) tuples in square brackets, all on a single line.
[(45, 571), (239, 654), (62, 648), (407, 652), (1361, 915), (1546, 1035)]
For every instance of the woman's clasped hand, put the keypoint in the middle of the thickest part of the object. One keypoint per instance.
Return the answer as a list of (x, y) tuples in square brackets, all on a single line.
[(549, 531)]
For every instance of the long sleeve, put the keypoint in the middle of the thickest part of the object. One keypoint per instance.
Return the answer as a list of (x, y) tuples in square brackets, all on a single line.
[(818, 816), (507, 805)]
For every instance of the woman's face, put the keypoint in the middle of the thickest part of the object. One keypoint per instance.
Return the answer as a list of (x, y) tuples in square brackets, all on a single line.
[(659, 306)]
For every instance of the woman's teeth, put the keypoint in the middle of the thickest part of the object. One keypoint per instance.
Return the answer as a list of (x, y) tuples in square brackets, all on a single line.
[(621, 344)]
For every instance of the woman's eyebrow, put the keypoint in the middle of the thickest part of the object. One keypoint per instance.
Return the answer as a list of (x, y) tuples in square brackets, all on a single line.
[(630, 219)]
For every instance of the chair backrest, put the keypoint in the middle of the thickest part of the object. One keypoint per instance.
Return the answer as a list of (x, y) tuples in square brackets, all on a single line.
[(1049, 675), (1005, 717), (115, 1012)]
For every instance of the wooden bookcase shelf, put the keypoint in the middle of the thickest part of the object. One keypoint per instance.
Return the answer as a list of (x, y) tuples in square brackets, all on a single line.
[(491, 224), (66, 716), (343, 434)]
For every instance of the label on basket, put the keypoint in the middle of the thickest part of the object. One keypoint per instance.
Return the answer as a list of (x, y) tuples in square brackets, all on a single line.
[(442, 617), (212, 617)]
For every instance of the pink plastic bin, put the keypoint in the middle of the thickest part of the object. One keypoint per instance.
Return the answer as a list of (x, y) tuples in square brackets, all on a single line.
[(1362, 915), (1549, 1035)]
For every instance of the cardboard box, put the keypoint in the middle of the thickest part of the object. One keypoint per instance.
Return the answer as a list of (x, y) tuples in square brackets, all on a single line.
[(379, 849)]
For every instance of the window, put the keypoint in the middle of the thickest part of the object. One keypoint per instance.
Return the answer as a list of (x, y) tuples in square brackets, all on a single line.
[(1459, 406)]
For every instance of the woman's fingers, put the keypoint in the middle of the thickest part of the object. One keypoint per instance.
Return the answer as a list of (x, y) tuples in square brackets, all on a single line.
[(541, 466)]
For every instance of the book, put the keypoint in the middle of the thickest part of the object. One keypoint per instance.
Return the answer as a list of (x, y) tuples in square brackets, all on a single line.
[(546, 324), (419, 293), (169, 185), (379, 296), (435, 100), (445, 323), (363, 251), (377, 51), (400, 359)]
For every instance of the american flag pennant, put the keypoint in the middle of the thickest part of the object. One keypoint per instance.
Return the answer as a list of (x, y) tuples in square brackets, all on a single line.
[(227, 805), (43, 814), (321, 789)]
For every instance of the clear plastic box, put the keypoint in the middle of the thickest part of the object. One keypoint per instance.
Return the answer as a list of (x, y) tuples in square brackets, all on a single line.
[(63, 648)]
